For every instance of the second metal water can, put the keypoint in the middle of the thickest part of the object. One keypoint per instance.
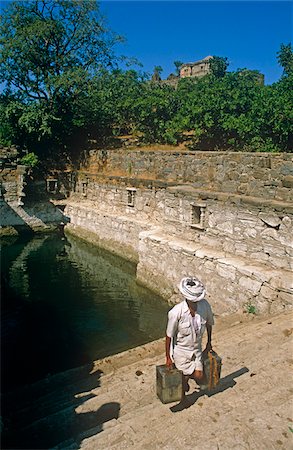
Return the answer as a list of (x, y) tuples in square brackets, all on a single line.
[(212, 364), (169, 384)]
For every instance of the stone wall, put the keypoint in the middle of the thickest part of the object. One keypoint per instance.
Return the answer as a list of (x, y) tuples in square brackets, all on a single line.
[(24, 203), (232, 282), (243, 227), (241, 246), (265, 175), (34, 217)]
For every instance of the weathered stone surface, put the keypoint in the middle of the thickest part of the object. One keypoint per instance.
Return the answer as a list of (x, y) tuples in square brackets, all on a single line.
[(283, 283), (259, 256), (226, 271), (270, 233), (287, 222), (288, 181), (250, 284), (270, 219), (268, 292)]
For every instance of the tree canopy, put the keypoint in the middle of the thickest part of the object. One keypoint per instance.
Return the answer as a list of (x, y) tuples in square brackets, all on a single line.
[(64, 88), (50, 48), (285, 58), (218, 65)]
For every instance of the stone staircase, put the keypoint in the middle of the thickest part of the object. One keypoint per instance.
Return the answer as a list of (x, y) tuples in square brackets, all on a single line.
[(112, 403)]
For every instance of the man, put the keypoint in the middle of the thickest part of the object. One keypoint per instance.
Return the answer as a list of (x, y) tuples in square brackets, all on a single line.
[(187, 322)]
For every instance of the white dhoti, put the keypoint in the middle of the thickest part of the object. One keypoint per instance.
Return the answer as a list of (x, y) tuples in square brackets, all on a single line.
[(188, 360)]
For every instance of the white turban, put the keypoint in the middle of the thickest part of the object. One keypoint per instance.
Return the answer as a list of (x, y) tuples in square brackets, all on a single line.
[(192, 289)]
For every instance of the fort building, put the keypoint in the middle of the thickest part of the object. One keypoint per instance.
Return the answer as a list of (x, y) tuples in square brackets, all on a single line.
[(195, 69)]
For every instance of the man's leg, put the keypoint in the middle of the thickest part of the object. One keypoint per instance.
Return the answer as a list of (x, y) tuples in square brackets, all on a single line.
[(198, 376), (185, 383)]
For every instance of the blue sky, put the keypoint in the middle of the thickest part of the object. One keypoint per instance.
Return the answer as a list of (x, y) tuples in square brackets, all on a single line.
[(160, 32)]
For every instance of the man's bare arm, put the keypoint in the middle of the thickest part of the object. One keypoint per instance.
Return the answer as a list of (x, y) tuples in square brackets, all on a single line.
[(169, 362)]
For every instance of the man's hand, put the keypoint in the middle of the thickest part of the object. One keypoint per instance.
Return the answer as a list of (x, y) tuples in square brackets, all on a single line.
[(209, 347), (169, 363)]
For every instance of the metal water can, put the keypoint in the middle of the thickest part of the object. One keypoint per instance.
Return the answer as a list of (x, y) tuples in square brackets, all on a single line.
[(212, 365), (169, 384)]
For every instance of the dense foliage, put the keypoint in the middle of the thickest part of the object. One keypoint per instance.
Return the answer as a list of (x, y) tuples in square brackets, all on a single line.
[(63, 89)]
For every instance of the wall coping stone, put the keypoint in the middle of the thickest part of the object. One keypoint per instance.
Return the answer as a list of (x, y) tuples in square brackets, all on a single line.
[(234, 198)]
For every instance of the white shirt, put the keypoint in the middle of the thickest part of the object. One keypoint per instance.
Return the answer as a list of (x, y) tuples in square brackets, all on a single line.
[(181, 327)]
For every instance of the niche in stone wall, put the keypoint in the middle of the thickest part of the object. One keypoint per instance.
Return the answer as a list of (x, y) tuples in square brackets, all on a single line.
[(131, 193), (198, 213), (52, 185), (84, 188)]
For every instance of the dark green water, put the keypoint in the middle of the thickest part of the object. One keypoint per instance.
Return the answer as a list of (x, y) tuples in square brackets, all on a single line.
[(66, 303)]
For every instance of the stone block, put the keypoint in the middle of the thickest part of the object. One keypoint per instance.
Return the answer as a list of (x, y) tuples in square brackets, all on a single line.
[(283, 194), (270, 219), (250, 233), (209, 265), (250, 284), (279, 263), (200, 254), (268, 293), (259, 174), (270, 233), (228, 247), (286, 169), (286, 222), (286, 298), (227, 227), (262, 304), (240, 249), (244, 296), (283, 282), (286, 239), (225, 271), (242, 188), (260, 256)]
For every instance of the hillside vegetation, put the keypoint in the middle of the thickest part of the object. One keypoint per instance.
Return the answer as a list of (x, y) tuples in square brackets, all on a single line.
[(64, 89)]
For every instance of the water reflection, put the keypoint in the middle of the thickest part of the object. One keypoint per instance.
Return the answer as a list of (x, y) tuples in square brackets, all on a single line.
[(66, 303)]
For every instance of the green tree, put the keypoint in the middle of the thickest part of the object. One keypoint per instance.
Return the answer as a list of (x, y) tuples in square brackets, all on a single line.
[(49, 52), (153, 111), (157, 73), (178, 64), (285, 58), (218, 66), (48, 46)]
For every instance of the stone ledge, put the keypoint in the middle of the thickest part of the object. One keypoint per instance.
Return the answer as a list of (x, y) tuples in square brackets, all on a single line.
[(233, 198), (112, 363), (89, 206), (279, 279)]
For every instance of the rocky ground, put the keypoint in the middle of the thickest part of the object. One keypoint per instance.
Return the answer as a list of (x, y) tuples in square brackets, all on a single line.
[(112, 403)]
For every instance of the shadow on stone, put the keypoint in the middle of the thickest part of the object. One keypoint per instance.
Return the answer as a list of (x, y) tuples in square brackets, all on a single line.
[(47, 414), (225, 383), (89, 424)]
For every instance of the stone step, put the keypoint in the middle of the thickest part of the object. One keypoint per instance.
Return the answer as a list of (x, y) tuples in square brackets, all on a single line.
[(250, 409), (52, 416), (49, 393)]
